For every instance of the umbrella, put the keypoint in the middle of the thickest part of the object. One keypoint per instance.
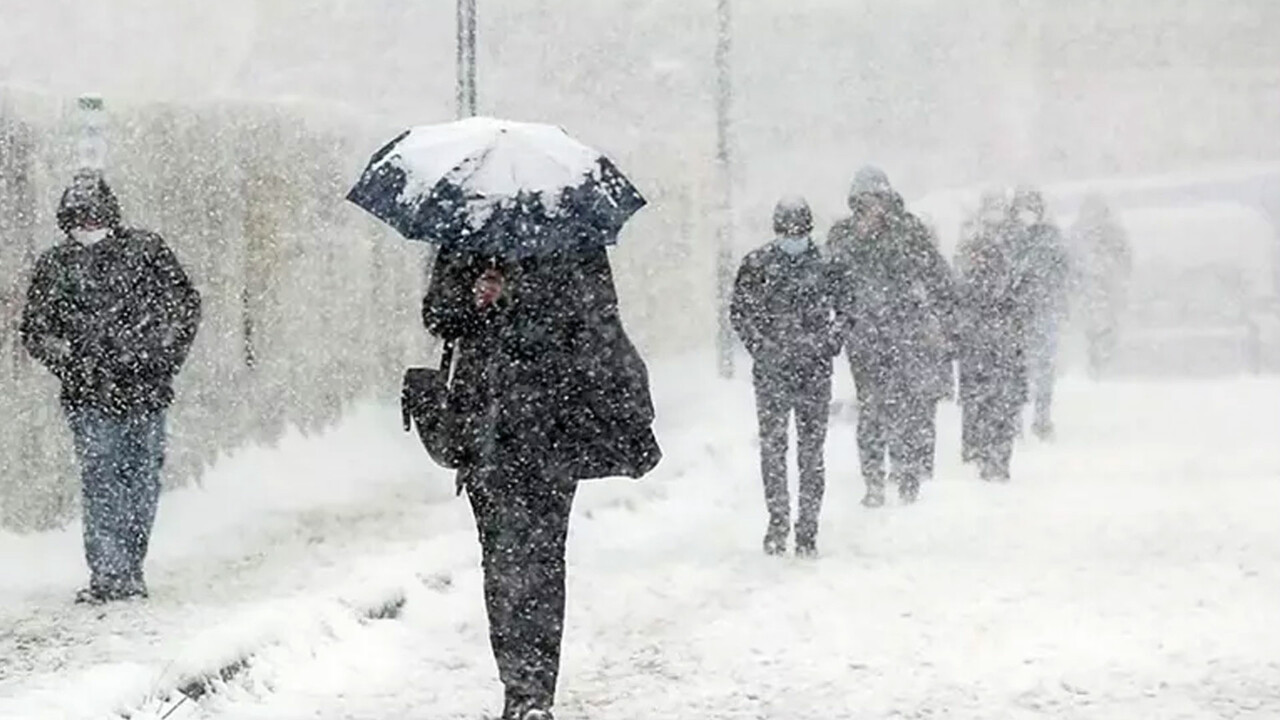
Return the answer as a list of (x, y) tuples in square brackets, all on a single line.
[(496, 187)]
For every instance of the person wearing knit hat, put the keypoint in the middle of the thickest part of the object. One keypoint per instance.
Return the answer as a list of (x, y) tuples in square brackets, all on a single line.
[(1043, 251), (996, 312), (111, 313), (782, 311)]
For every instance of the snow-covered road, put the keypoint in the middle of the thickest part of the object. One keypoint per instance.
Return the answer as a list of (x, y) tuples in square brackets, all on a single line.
[(1131, 570)]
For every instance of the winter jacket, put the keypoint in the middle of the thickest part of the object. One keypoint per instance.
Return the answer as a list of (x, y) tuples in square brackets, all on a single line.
[(546, 378), (1103, 261), (895, 305), (996, 315), (1047, 267), (782, 310), (114, 321)]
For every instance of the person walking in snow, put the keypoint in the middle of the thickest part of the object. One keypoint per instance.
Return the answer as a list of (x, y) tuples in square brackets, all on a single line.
[(946, 381), (995, 319), (112, 314), (894, 303), (549, 391), (1103, 261), (782, 311), (991, 216), (1043, 254)]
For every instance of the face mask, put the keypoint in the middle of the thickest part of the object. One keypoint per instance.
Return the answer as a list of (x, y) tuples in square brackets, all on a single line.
[(793, 245), (870, 218), (88, 238)]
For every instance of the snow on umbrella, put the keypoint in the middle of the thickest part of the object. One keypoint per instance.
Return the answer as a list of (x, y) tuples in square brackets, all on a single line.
[(496, 187)]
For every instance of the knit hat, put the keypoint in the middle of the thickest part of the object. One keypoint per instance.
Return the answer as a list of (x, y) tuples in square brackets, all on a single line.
[(792, 217), (88, 202)]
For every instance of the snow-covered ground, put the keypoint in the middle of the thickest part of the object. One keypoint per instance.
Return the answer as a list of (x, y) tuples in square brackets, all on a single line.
[(268, 527), (1131, 570)]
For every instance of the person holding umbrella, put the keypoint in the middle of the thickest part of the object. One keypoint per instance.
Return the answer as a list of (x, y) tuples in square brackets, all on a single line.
[(548, 390)]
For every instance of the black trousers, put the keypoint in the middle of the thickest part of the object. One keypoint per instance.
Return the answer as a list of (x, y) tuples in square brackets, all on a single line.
[(897, 434), (995, 392), (523, 524), (968, 430), (1042, 373), (929, 440), (993, 418), (808, 399)]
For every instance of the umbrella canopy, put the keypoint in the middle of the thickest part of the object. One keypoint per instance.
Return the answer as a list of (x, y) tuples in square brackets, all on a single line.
[(496, 187)]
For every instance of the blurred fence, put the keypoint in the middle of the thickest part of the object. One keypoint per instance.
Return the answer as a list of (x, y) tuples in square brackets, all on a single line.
[(309, 304)]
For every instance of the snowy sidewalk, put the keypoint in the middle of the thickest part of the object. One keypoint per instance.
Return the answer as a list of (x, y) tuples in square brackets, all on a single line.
[(269, 531), (276, 546), (1132, 570)]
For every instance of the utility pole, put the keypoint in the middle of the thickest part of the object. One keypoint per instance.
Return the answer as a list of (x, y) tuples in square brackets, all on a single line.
[(91, 134), (466, 58), (724, 205), (466, 88)]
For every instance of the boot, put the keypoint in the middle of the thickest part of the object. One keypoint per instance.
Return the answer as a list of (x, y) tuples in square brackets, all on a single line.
[(525, 709), (91, 596), (775, 539), (806, 540), (993, 472), (111, 589), (874, 497), (909, 489), (1043, 429)]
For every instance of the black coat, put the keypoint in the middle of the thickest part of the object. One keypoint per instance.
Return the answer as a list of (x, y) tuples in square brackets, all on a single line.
[(1047, 267), (113, 321), (546, 380), (782, 310), (895, 304), (996, 292)]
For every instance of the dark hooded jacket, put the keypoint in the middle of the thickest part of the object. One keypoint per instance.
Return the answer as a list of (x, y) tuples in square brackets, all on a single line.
[(113, 321), (1043, 254), (895, 305), (546, 379), (1102, 259), (996, 291)]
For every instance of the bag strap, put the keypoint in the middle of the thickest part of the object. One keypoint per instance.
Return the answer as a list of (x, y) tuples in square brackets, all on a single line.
[(446, 356)]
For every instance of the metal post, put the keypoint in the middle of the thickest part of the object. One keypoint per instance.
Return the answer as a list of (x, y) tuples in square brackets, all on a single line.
[(467, 18), (724, 209), (472, 30), (91, 135)]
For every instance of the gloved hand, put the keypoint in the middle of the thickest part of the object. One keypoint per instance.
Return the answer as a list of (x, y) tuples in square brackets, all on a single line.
[(488, 288), (835, 344)]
